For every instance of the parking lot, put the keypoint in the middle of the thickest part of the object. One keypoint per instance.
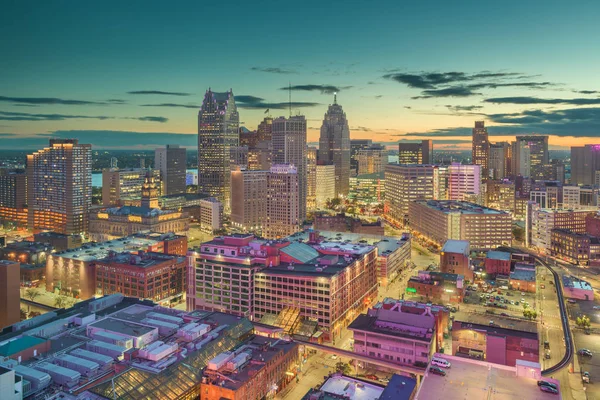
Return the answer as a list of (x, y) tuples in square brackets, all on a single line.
[(508, 303)]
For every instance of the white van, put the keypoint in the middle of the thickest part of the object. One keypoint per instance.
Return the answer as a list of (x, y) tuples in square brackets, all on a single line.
[(440, 362)]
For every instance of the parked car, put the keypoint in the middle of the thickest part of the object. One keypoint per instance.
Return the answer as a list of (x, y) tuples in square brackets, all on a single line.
[(437, 370), (585, 352), (523, 294), (548, 389), (512, 302), (504, 314), (384, 380), (596, 307), (585, 377), (372, 377), (546, 383)]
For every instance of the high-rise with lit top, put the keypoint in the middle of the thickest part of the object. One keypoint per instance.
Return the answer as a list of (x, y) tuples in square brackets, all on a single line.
[(481, 147)]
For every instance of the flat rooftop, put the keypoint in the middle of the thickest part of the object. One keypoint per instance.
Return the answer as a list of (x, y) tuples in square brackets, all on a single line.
[(96, 251), (456, 246), (123, 327), (463, 207), (469, 379), (384, 244), (498, 255), (502, 325), (144, 260), (573, 282), (345, 387)]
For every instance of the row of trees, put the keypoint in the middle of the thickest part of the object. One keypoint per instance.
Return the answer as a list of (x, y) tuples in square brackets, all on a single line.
[(59, 301)]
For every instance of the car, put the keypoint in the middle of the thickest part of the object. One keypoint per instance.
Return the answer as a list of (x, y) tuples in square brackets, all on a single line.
[(523, 294), (548, 389), (585, 377), (512, 302), (372, 377), (334, 356), (517, 303), (384, 380), (572, 301), (546, 383), (596, 307), (584, 352), (504, 314), (437, 370)]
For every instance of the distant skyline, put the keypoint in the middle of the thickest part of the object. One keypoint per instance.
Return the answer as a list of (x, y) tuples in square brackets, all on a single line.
[(133, 75)]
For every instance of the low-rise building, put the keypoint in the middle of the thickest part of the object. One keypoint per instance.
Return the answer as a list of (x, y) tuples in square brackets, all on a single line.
[(575, 288), (439, 287), (439, 221), (368, 189), (455, 258), (338, 386), (24, 348), (497, 262), (522, 278), (493, 343), (59, 241), (255, 371), (401, 332), (543, 221), (343, 223), (145, 275), (26, 252), (570, 246)]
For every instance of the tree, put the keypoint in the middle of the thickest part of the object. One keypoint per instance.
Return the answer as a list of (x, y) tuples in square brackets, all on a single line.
[(583, 321), (518, 234), (23, 314), (343, 367), (32, 294), (529, 313), (34, 314), (60, 301)]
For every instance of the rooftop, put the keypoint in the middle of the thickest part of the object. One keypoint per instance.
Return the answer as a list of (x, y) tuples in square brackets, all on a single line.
[(502, 325), (384, 244), (18, 345), (523, 275), (339, 387), (470, 379), (26, 245), (142, 259), (399, 388), (462, 207), (456, 246), (575, 283), (123, 327), (96, 251), (498, 255)]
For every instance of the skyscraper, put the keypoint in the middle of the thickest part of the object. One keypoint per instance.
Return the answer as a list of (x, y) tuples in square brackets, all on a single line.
[(248, 199), (585, 162), (218, 131), (289, 147), (372, 160), (415, 153), (481, 147), (282, 202), (59, 187), (355, 146), (171, 162), (13, 196), (334, 146), (530, 156), (311, 177), (499, 163)]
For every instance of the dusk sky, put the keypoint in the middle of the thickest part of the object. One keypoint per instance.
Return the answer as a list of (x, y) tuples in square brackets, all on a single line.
[(105, 73)]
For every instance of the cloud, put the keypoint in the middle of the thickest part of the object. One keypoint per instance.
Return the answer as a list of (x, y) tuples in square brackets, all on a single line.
[(586, 91), (324, 89), (20, 116), (460, 84), (462, 108), (537, 100), (253, 102), (160, 92), (170, 105), (361, 128), (273, 70), (48, 100)]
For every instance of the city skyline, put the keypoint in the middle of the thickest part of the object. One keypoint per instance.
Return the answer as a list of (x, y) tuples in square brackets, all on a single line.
[(133, 86)]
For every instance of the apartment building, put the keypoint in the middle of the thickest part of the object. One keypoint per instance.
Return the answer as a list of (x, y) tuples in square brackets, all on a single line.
[(543, 221)]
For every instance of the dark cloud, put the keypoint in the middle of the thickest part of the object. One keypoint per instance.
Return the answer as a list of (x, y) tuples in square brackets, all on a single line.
[(258, 103), (537, 100), (116, 101), (462, 108), (408, 107), (460, 84), (586, 91), (324, 89), (48, 100), (361, 128), (160, 92), (152, 119), (273, 70), (20, 116), (170, 105)]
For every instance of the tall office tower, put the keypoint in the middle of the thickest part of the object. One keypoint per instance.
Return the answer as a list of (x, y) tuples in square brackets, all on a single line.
[(248, 138), (283, 205), (334, 146), (585, 163), (355, 146), (406, 183), (558, 171), (218, 125), (59, 187), (248, 199), (13, 196), (501, 195), (325, 190), (481, 147), (171, 162), (239, 157), (119, 185), (463, 179), (499, 160), (530, 156), (265, 130), (289, 147), (9, 293), (415, 153), (311, 178), (372, 160), (259, 158)]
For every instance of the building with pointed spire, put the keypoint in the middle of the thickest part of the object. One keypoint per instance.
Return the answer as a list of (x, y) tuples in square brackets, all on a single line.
[(334, 146), (149, 192), (218, 132)]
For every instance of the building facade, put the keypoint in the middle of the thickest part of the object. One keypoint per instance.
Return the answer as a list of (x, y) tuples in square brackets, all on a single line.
[(59, 187), (499, 163), (334, 146), (415, 153), (283, 204), (543, 221), (481, 147), (463, 180), (10, 305), (311, 178), (585, 164), (440, 287), (372, 159), (248, 199), (218, 132), (325, 189), (120, 185), (289, 147), (455, 258), (13, 196), (355, 145)]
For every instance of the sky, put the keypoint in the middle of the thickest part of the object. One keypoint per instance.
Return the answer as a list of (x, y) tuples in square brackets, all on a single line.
[(133, 74)]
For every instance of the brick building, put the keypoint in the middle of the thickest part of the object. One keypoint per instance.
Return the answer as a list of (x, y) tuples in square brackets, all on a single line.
[(440, 287), (497, 262), (455, 258)]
